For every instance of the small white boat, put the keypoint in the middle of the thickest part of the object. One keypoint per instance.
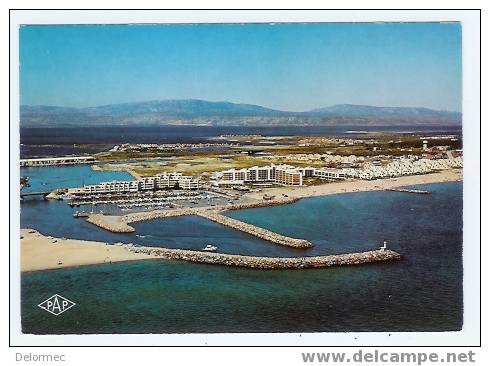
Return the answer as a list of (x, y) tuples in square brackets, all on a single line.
[(210, 248)]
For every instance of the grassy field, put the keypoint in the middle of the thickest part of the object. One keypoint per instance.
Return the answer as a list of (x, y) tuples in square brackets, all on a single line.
[(148, 162), (197, 165)]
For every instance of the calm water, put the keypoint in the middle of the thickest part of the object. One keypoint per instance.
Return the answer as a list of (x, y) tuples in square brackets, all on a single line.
[(422, 292), (32, 151), (53, 177), (174, 134)]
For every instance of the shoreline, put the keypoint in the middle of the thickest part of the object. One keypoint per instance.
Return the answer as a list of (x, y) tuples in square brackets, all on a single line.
[(41, 253), (349, 186), (287, 195)]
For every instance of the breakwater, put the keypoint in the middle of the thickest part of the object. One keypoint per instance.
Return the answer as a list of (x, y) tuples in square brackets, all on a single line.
[(269, 262), (110, 223), (260, 203), (416, 191), (156, 214), (254, 230)]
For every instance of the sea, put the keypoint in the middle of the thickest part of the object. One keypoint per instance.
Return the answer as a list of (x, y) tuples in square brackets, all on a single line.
[(75, 141), (420, 292)]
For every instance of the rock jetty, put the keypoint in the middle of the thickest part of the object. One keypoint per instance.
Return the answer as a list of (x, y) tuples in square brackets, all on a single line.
[(263, 203), (269, 262), (254, 230), (156, 214), (110, 223)]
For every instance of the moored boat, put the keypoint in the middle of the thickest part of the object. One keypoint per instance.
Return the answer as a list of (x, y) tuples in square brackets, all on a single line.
[(210, 248)]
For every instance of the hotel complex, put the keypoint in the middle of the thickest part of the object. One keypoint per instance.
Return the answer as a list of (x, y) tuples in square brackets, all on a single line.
[(281, 174), (291, 175), (158, 182)]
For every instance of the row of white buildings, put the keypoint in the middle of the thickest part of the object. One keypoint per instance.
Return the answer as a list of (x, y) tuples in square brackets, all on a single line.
[(327, 158), (158, 182), (403, 166), (291, 175)]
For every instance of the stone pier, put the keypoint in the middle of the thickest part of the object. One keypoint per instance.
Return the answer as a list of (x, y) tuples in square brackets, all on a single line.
[(270, 262), (254, 230)]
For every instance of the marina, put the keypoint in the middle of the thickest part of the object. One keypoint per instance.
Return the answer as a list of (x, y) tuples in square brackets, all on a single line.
[(119, 224)]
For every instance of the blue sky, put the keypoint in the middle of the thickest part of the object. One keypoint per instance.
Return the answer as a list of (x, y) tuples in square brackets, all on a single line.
[(292, 67)]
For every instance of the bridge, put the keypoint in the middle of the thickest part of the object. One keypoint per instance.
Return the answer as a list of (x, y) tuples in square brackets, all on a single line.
[(26, 194)]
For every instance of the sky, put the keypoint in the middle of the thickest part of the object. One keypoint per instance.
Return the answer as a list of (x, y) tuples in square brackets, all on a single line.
[(293, 67)]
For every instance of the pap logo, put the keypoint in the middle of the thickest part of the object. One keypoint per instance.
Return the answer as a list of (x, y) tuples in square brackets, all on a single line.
[(56, 304)]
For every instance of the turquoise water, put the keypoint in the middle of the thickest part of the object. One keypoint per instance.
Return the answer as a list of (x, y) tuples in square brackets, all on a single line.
[(50, 178), (421, 292)]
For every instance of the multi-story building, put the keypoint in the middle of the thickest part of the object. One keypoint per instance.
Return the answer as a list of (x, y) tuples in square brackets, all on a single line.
[(289, 175), (330, 173), (147, 184), (307, 172), (250, 175), (111, 187), (235, 175), (188, 183), (282, 174), (161, 181)]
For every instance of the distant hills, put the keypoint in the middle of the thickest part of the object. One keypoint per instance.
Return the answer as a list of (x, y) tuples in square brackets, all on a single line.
[(201, 112)]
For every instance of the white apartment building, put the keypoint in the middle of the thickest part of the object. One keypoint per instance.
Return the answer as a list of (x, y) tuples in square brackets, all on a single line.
[(289, 175), (282, 174), (111, 187), (161, 181), (253, 174), (330, 173), (165, 181)]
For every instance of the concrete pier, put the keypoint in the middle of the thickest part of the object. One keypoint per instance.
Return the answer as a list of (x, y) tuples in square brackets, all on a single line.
[(270, 262), (254, 230)]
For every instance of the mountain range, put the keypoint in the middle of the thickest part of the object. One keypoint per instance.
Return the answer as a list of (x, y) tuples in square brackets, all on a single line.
[(201, 112)]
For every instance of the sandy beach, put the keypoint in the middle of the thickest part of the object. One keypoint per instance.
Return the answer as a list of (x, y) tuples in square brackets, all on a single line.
[(38, 252), (360, 185)]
